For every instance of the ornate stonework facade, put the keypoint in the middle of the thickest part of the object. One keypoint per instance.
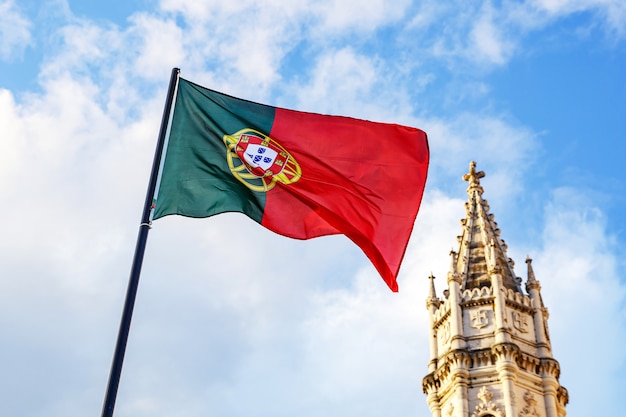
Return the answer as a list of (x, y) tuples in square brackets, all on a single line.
[(490, 352)]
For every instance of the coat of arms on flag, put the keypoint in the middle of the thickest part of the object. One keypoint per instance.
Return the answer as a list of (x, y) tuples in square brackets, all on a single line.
[(259, 161), (260, 157)]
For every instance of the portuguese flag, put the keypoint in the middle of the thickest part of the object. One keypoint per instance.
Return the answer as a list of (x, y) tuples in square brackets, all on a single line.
[(301, 175)]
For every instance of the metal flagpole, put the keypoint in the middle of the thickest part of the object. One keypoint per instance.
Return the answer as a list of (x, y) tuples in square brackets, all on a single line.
[(140, 248)]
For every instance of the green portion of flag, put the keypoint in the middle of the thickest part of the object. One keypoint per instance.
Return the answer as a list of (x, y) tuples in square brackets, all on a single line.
[(196, 180)]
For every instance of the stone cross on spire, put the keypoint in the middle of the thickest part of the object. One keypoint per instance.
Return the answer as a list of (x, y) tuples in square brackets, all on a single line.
[(473, 178)]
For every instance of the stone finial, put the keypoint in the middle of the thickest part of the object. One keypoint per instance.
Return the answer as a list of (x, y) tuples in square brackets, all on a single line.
[(473, 178), (432, 299), (453, 274), (531, 273), (453, 260), (531, 281), (433, 293)]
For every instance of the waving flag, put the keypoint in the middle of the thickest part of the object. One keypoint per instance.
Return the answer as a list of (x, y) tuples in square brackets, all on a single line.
[(301, 175)]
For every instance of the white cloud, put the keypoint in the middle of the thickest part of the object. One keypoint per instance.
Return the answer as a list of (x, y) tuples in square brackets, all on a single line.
[(205, 10), (338, 80), (482, 36), (565, 7), (161, 45), (59, 170), (501, 148), (463, 34), (340, 15), (536, 14), (242, 44), (489, 42), (427, 15), (479, 35), (15, 31), (578, 270), (344, 81), (68, 170)]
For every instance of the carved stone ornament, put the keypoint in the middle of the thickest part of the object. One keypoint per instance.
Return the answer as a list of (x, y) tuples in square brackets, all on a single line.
[(479, 318), (485, 395), (529, 409), (486, 407), (520, 321), (445, 331), (450, 410), (545, 323)]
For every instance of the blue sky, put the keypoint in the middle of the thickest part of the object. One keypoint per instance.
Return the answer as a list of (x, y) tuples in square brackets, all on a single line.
[(534, 91)]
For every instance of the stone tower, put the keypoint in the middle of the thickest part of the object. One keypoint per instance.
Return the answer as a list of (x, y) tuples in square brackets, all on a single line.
[(490, 353)]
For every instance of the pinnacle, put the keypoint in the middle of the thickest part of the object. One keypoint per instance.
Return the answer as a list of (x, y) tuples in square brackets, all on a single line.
[(433, 293), (432, 299), (531, 281)]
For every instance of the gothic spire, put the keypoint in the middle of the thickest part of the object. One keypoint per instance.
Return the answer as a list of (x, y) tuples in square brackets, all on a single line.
[(481, 251)]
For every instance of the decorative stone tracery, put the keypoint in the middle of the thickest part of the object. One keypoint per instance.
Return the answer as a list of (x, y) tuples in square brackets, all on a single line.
[(520, 321), (530, 409), (479, 318), (486, 407)]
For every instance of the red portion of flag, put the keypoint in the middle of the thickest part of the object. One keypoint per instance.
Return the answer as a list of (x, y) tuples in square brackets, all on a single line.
[(359, 178)]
